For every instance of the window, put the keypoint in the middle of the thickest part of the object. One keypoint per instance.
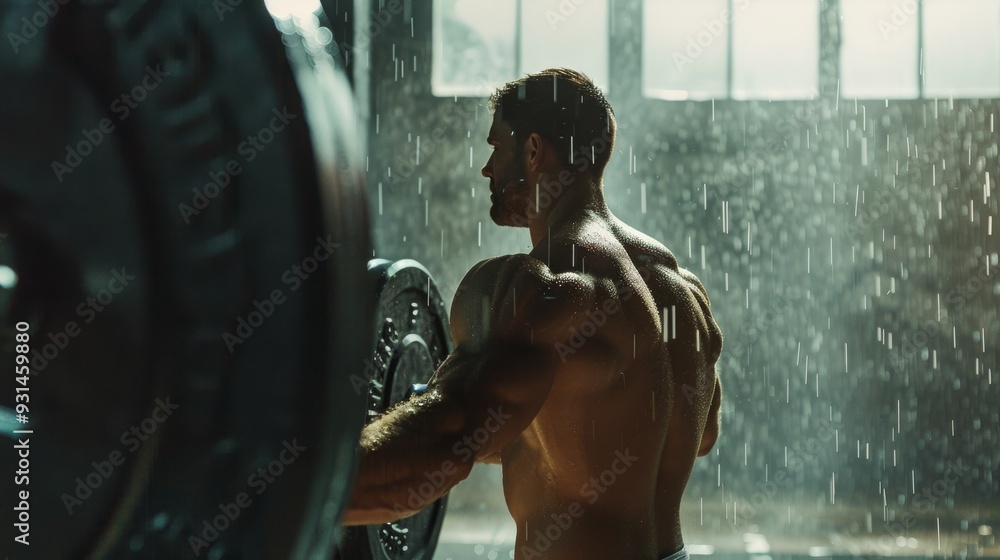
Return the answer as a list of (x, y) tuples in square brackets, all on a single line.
[(480, 44), (578, 39), (764, 49), (473, 46), (739, 49), (775, 49), (878, 58), (883, 41), (685, 49), (961, 48)]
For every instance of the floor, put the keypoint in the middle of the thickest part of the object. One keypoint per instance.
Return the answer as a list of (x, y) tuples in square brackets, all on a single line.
[(477, 525), (491, 535)]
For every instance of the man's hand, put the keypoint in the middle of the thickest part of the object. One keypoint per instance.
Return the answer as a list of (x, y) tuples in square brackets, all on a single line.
[(506, 319)]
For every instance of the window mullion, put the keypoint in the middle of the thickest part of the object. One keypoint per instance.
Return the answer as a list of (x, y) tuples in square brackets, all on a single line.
[(518, 32), (920, 49), (729, 49)]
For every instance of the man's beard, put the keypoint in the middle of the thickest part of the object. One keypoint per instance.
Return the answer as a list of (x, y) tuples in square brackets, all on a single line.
[(510, 207)]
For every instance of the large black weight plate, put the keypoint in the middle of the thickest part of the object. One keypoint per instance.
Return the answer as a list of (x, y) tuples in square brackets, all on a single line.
[(200, 83), (412, 338)]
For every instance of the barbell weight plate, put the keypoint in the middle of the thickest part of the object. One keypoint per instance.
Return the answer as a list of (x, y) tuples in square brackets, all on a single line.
[(257, 457), (412, 338), (67, 233)]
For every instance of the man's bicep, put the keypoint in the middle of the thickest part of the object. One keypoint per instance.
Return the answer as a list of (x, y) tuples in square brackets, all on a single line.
[(500, 387), (505, 364)]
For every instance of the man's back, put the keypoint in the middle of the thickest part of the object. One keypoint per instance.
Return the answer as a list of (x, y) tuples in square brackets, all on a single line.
[(600, 471), (589, 362)]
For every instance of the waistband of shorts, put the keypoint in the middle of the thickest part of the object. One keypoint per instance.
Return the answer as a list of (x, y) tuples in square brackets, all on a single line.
[(681, 554)]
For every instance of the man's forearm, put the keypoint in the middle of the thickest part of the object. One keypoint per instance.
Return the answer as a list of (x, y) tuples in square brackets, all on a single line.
[(416, 452), (407, 460)]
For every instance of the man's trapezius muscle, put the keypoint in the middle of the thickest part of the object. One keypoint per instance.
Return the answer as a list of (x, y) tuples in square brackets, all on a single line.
[(591, 361)]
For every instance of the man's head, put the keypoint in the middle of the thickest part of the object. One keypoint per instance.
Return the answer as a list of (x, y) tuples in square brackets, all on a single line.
[(546, 123)]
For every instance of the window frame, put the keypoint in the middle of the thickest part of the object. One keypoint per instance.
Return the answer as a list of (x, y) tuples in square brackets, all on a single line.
[(631, 84), (470, 91)]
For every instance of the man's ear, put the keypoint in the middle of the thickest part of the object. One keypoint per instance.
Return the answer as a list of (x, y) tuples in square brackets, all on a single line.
[(534, 152)]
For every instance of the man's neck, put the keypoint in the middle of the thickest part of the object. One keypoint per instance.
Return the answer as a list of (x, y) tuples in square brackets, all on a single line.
[(583, 196)]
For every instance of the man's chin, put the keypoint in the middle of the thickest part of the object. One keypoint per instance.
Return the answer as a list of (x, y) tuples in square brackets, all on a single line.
[(507, 219)]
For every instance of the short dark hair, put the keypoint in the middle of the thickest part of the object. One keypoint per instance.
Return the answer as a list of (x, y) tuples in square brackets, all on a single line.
[(564, 107)]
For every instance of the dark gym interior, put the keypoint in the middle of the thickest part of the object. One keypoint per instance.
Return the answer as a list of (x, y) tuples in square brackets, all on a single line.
[(828, 169)]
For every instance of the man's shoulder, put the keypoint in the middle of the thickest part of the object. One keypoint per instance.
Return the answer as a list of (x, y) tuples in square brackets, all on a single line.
[(518, 290), (523, 270)]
